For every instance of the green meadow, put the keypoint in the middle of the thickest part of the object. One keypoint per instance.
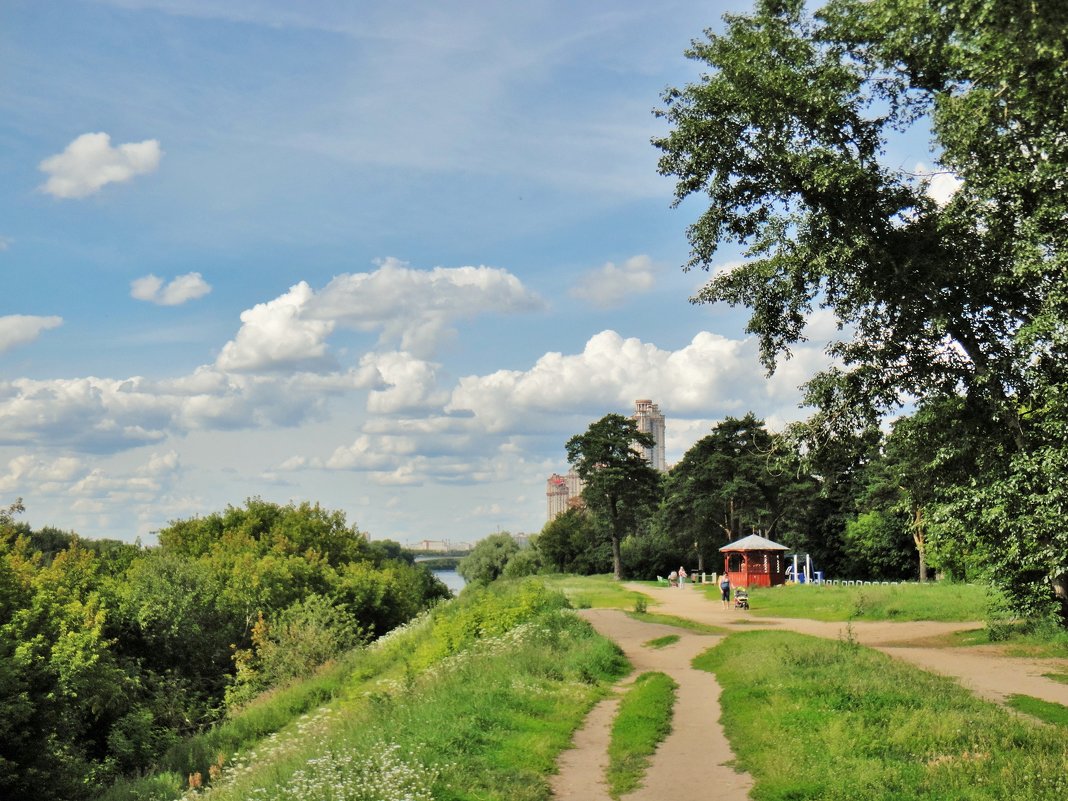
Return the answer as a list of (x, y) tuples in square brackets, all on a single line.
[(934, 601), (475, 700), (830, 720), (472, 701)]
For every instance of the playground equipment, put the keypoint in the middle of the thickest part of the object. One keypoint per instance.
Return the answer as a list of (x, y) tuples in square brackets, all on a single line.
[(802, 573)]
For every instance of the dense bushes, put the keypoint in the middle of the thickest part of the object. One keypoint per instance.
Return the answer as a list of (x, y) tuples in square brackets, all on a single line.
[(482, 716), (109, 653)]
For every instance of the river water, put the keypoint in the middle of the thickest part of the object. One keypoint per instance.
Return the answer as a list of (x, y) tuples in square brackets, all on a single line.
[(453, 580)]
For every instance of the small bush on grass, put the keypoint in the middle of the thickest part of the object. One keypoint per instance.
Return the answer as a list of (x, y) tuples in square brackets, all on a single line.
[(642, 722), (819, 719)]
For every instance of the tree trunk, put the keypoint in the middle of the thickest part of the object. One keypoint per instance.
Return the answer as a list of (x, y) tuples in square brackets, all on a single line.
[(919, 537), (1060, 591), (617, 559)]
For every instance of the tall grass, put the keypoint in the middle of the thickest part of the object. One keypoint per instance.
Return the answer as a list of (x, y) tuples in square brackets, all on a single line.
[(641, 724), (466, 705), (819, 719)]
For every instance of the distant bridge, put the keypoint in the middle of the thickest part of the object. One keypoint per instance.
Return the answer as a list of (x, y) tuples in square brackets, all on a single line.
[(441, 548), (445, 557)]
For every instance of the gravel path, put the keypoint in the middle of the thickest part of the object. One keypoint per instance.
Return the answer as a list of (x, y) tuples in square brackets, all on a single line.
[(694, 761)]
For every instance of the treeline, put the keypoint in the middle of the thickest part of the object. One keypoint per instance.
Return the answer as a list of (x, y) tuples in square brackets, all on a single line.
[(741, 479), (111, 652), (879, 505)]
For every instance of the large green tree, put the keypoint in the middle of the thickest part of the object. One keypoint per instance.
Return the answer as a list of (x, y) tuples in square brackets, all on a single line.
[(954, 297), (735, 481), (488, 558), (620, 486)]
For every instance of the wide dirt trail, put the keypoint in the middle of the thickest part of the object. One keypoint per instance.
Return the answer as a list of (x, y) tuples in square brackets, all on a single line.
[(691, 763), (987, 674)]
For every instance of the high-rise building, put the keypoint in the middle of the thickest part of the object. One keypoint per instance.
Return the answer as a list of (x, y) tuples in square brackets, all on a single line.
[(563, 493), (650, 421), (556, 496)]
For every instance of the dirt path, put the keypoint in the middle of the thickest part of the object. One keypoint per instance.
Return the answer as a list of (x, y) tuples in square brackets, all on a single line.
[(690, 765), (988, 675)]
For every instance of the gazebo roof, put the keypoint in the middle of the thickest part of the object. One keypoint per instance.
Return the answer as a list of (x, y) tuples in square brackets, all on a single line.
[(754, 543)]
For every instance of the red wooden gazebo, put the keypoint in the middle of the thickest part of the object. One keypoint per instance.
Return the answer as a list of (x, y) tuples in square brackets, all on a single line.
[(754, 561)]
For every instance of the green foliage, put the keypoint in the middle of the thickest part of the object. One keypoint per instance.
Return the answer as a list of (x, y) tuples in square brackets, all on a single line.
[(959, 302), (570, 543), (485, 722), (881, 546), (488, 558), (735, 481), (620, 486), (110, 654), (480, 615), (641, 724), (525, 562), (811, 718), (301, 638), (652, 551)]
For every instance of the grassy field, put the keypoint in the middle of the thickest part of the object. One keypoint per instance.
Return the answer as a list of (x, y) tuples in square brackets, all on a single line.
[(473, 702), (1057, 714), (934, 601), (593, 592), (643, 721), (829, 720), (662, 642)]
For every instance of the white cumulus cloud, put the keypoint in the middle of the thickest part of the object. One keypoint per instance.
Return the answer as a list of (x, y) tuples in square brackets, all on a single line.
[(20, 329), (90, 162), (941, 185), (278, 335), (181, 289), (611, 284), (416, 309), (407, 383), (710, 377)]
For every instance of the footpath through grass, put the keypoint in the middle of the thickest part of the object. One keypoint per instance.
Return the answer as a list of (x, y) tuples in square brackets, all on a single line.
[(474, 701), (829, 720)]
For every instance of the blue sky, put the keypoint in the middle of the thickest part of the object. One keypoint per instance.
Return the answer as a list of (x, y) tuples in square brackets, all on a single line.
[(383, 256)]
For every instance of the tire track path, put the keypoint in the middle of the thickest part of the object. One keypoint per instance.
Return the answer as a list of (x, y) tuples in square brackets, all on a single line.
[(692, 763)]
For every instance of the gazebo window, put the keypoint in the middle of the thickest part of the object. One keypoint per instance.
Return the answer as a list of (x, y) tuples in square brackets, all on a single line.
[(735, 562)]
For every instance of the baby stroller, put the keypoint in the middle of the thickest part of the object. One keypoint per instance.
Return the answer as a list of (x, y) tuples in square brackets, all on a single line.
[(741, 598)]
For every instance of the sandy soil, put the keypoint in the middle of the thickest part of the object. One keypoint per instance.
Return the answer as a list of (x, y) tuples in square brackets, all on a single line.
[(697, 749), (691, 763)]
